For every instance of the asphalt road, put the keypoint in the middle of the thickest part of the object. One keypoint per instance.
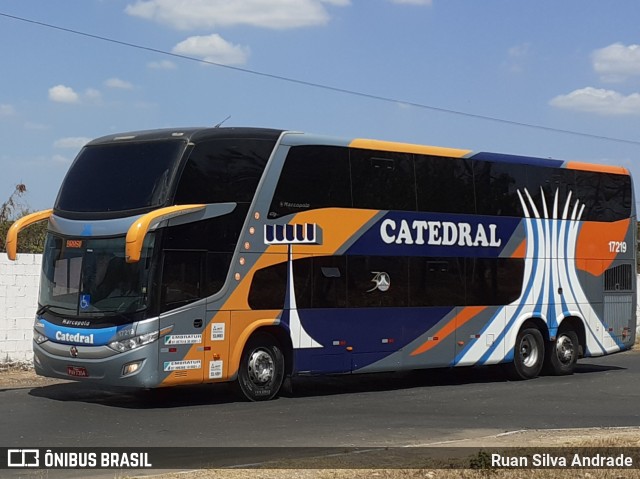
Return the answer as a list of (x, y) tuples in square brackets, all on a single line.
[(423, 407)]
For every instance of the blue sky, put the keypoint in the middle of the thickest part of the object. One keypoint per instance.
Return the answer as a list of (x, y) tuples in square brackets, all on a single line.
[(445, 69)]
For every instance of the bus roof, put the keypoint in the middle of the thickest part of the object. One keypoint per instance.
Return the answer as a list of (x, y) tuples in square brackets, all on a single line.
[(189, 134), (298, 138)]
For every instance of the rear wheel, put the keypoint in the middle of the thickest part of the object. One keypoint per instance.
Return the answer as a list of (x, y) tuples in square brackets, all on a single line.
[(562, 354), (528, 355), (261, 370)]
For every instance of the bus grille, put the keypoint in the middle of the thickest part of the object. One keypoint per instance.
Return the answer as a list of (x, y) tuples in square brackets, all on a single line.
[(618, 278)]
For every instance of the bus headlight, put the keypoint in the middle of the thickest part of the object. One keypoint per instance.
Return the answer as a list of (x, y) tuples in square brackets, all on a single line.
[(133, 343), (38, 337)]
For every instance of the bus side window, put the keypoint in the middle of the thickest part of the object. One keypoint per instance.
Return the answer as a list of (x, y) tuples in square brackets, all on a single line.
[(377, 281), (601, 194), (436, 281), (312, 177), (444, 185), (224, 170), (493, 281), (181, 278), (268, 287), (329, 282), (383, 180)]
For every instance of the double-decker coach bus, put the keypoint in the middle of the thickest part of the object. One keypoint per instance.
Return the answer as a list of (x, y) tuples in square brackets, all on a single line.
[(205, 255)]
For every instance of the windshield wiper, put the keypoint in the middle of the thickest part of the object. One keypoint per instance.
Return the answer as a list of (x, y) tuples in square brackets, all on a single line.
[(48, 307)]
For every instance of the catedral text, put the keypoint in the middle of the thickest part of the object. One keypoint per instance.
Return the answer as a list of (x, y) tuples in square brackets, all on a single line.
[(439, 233)]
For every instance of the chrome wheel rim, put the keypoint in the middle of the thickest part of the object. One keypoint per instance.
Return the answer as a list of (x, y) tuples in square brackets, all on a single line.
[(261, 367), (529, 352), (564, 349)]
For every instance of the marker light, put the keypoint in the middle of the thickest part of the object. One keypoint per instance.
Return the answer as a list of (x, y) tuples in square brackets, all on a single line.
[(133, 343)]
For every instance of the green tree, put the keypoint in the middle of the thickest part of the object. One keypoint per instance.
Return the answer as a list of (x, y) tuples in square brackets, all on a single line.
[(31, 240)]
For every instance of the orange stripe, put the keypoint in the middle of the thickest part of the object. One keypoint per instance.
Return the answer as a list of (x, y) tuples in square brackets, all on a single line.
[(594, 245), (577, 165), (521, 250), (339, 226), (454, 323), (407, 148)]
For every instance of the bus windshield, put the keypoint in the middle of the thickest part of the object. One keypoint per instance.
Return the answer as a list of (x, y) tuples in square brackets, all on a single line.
[(120, 177), (90, 277)]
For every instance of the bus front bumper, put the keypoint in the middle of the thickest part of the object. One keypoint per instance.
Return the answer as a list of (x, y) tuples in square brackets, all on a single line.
[(135, 368)]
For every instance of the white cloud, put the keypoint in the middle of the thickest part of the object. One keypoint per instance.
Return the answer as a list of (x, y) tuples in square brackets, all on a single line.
[(213, 48), (413, 2), (6, 110), (71, 142), (118, 83), (201, 14), (600, 101), (162, 65), (63, 94), (617, 62)]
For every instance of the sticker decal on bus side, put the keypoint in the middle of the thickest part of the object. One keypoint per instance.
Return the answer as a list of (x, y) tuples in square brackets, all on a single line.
[(182, 365), (217, 332), (215, 369), (183, 339)]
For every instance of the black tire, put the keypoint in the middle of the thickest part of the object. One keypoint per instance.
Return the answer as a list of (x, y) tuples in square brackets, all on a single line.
[(562, 354), (261, 371), (528, 354)]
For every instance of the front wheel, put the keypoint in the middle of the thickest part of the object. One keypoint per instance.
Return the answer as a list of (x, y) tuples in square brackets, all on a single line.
[(562, 354), (528, 356), (261, 370)]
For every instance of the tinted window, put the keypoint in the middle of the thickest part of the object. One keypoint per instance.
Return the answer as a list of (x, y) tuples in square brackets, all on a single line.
[(223, 170), (312, 177), (436, 281), (269, 287), (382, 180), (385, 281), (181, 278), (320, 282), (329, 282), (120, 177), (199, 254), (465, 281), (444, 185), (496, 188), (493, 281), (377, 281), (606, 197)]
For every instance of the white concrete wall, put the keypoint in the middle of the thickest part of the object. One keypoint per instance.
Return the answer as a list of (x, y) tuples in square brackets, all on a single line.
[(19, 283)]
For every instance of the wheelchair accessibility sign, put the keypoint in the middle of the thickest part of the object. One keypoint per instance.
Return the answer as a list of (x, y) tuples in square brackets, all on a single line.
[(85, 301)]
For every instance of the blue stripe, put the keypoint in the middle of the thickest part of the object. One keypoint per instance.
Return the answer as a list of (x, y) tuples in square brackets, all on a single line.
[(80, 336), (523, 160)]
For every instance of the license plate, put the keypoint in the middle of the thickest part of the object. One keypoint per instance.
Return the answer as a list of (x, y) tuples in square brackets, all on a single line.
[(77, 371)]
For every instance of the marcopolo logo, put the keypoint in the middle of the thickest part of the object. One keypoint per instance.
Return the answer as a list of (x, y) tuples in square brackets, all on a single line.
[(439, 233)]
